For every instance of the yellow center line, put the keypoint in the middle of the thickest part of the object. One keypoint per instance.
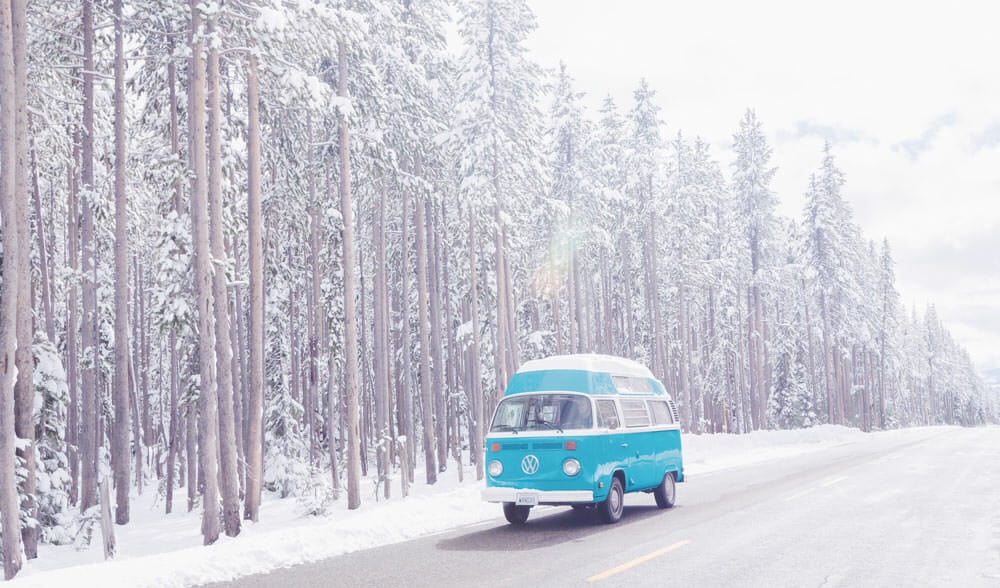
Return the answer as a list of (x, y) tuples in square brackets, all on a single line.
[(637, 561)]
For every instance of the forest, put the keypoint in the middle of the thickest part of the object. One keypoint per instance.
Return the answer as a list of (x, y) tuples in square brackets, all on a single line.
[(289, 246)]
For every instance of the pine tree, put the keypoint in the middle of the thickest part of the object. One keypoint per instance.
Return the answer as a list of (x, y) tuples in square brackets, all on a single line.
[(752, 176)]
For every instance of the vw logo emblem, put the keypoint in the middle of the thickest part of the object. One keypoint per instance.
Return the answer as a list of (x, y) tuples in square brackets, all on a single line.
[(529, 464)]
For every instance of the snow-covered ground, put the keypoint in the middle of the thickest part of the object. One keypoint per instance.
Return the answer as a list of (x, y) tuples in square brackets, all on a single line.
[(160, 550)]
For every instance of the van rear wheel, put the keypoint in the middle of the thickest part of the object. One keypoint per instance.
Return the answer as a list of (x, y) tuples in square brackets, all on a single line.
[(666, 492), (516, 515), (613, 506)]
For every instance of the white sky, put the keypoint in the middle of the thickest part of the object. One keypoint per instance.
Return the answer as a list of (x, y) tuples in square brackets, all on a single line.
[(907, 91)]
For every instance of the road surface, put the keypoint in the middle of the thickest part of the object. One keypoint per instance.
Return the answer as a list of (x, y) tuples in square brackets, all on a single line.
[(919, 511)]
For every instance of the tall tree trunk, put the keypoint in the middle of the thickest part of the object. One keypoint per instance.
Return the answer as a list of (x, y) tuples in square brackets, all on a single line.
[(9, 510), (381, 351), (315, 323), (146, 435), (43, 254), (350, 316), (191, 453), (120, 441), (501, 345), (88, 328), (172, 438), (475, 392), (24, 389), (72, 321), (405, 402), (451, 378), (437, 369), (208, 397), (229, 484), (175, 418), (513, 348), (236, 338), (426, 398), (255, 247)]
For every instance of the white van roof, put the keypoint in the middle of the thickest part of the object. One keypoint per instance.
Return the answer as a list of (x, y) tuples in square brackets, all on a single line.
[(591, 362)]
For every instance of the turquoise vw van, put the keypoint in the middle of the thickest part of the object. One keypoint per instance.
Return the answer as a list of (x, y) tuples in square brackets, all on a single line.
[(582, 430)]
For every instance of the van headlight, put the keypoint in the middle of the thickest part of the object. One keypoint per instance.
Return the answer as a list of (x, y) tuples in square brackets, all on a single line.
[(571, 467), (496, 468)]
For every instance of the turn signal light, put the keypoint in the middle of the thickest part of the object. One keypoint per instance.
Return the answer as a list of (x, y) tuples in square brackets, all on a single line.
[(495, 447), (571, 446)]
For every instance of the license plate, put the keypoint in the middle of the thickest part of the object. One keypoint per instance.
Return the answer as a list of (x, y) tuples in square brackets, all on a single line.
[(526, 499)]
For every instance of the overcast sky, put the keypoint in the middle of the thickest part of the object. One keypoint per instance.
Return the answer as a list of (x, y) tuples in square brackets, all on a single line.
[(908, 93)]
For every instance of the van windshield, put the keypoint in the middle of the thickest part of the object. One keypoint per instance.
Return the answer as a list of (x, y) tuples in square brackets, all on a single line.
[(533, 412)]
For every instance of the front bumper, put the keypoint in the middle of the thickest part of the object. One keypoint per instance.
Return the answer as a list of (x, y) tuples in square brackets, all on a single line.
[(498, 494)]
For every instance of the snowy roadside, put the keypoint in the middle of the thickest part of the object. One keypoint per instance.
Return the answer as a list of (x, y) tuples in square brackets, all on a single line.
[(158, 550)]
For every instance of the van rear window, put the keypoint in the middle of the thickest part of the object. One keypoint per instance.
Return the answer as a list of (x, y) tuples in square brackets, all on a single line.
[(660, 412)]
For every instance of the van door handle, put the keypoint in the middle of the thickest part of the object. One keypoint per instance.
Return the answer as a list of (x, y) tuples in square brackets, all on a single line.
[(624, 444)]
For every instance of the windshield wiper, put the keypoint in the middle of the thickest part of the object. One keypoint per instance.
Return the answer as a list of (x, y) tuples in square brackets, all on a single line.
[(500, 428), (549, 425)]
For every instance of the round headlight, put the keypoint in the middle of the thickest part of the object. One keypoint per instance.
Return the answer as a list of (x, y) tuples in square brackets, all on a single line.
[(571, 467), (496, 468)]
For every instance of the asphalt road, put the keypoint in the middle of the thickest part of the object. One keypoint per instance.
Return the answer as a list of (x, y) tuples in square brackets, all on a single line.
[(920, 511)]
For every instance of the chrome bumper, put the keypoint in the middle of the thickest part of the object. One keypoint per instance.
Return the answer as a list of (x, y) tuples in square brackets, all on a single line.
[(496, 494)]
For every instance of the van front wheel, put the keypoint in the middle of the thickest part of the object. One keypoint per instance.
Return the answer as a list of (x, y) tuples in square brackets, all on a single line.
[(666, 492), (613, 506), (515, 515)]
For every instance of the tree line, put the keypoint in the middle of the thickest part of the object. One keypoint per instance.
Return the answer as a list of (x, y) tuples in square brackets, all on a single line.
[(265, 245)]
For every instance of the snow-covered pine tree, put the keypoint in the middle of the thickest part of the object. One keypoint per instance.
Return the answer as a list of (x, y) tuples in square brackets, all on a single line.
[(752, 175), (497, 128)]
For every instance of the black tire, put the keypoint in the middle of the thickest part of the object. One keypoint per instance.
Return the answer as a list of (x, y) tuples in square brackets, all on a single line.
[(515, 515), (613, 506), (580, 507), (666, 492)]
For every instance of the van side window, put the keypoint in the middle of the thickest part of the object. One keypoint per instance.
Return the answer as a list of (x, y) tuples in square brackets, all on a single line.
[(635, 413), (660, 412), (607, 414)]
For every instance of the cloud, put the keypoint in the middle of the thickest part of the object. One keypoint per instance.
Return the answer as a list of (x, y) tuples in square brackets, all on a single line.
[(990, 137), (834, 134), (915, 147)]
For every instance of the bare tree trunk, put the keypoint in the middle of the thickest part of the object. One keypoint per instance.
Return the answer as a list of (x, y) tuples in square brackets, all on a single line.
[(174, 431), (452, 398), (88, 328), (479, 416), (140, 380), (381, 350), (134, 421), (72, 321), (513, 353), (426, 398), (315, 322), (405, 402), (350, 316), (43, 256), (500, 351), (120, 441), (9, 509), (191, 453), (174, 423), (437, 369), (228, 477), (208, 398), (24, 390), (255, 246), (236, 365), (107, 529)]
